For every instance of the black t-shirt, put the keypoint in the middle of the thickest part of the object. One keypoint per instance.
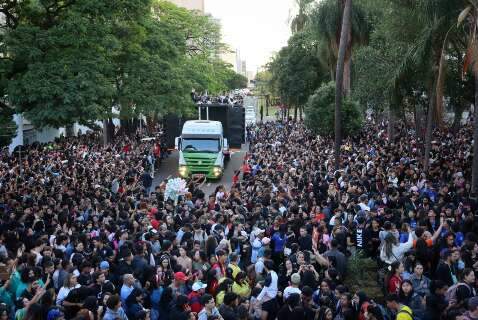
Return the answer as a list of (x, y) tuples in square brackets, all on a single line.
[(75, 296), (272, 308), (444, 273), (284, 313)]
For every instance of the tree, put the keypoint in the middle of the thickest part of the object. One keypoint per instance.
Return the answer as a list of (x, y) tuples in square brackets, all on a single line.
[(427, 52), (339, 85), (264, 88), (320, 116), (326, 23), (56, 57), (67, 61), (235, 80), (8, 128), (469, 18), (300, 21), (296, 72)]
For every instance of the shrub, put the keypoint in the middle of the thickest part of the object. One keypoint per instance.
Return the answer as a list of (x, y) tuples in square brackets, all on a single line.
[(320, 112)]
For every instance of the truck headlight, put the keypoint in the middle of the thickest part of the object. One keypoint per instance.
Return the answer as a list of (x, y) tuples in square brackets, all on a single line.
[(183, 171), (217, 171)]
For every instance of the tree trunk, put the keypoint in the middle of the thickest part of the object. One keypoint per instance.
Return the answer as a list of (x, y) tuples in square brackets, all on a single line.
[(457, 118), (391, 123), (429, 128), (295, 113), (347, 74), (415, 119), (474, 176), (105, 132), (69, 130), (339, 85)]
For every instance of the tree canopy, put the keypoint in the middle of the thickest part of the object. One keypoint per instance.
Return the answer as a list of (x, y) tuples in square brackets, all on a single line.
[(66, 61)]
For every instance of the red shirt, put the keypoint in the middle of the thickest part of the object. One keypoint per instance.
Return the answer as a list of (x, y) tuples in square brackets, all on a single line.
[(195, 301), (394, 284)]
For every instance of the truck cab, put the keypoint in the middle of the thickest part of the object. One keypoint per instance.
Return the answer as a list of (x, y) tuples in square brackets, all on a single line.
[(202, 149)]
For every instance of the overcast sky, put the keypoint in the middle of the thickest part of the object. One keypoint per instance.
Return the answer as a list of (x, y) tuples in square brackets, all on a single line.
[(256, 27)]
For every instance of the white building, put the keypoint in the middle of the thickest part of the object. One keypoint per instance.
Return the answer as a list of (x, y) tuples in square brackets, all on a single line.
[(28, 134)]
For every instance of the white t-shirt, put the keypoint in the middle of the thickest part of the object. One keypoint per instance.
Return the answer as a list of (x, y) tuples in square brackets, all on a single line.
[(63, 293), (271, 290), (290, 290)]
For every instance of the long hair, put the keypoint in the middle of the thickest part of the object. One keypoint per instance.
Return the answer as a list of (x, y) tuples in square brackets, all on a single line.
[(390, 242), (394, 267), (211, 245)]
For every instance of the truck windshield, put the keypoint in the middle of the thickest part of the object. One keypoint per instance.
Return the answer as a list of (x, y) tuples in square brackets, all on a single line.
[(200, 145)]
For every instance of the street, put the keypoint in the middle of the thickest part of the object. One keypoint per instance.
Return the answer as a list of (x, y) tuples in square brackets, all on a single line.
[(169, 168)]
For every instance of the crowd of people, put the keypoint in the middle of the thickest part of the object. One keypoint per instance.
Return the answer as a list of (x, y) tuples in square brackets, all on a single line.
[(86, 234), (231, 98)]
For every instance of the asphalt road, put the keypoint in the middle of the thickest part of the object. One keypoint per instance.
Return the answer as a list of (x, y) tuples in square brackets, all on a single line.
[(169, 169)]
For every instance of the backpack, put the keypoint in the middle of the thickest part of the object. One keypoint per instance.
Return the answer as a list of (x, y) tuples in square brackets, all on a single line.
[(405, 312), (450, 294)]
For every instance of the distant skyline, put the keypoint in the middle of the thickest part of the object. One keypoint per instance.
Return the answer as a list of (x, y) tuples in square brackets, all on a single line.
[(257, 27)]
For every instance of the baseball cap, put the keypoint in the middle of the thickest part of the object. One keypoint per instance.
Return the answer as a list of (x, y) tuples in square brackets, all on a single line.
[(180, 276), (258, 232), (104, 265), (198, 286)]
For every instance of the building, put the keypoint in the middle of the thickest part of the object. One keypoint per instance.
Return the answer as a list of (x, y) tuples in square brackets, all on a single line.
[(229, 56), (238, 64), (243, 68), (190, 4)]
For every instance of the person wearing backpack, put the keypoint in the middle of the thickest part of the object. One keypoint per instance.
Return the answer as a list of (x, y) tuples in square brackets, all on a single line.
[(472, 313), (401, 311), (458, 294)]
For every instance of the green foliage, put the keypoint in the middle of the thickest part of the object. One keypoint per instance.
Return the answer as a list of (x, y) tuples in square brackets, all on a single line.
[(362, 275), (319, 112), (325, 25), (8, 127), (67, 61), (235, 80), (296, 71)]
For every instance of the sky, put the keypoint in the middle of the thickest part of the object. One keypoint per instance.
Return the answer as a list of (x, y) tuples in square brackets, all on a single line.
[(256, 27)]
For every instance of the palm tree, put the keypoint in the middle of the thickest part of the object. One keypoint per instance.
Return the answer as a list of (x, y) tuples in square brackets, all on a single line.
[(326, 23), (339, 86), (299, 22), (469, 17), (426, 53)]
